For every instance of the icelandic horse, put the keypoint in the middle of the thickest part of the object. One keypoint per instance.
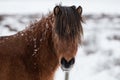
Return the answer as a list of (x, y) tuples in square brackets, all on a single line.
[(36, 52)]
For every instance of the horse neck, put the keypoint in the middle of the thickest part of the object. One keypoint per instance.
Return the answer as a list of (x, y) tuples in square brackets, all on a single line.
[(41, 45), (39, 30), (42, 27)]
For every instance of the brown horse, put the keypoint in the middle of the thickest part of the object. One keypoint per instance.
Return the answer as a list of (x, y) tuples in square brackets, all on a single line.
[(35, 53)]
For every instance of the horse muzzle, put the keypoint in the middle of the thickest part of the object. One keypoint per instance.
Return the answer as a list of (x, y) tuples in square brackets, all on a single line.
[(67, 65)]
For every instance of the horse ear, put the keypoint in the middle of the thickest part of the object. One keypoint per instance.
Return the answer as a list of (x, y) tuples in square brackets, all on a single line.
[(79, 10), (56, 10)]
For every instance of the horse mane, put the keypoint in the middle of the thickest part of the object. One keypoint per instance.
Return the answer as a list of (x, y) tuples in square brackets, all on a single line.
[(66, 27)]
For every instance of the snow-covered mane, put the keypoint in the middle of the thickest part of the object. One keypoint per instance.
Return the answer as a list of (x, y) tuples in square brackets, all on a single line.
[(35, 53)]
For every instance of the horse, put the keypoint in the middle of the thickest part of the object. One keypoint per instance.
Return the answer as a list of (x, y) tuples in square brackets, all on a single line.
[(36, 52)]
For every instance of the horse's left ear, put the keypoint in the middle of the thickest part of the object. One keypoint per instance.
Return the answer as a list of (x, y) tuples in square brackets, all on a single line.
[(56, 10), (79, 10)]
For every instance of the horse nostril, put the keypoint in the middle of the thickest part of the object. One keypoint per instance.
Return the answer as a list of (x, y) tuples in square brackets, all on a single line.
[(67, 64), (64, 62), (72, 61)]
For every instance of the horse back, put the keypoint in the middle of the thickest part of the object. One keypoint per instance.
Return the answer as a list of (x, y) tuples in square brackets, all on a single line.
[(12, 45)]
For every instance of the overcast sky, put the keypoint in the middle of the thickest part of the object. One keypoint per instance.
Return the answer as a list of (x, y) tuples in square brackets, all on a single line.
[(38, 6)]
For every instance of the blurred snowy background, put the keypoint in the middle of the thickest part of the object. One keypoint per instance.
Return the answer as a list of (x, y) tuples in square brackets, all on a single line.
[(99, 56)]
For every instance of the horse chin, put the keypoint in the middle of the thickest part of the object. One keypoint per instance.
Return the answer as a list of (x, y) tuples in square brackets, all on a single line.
[(66, 69)]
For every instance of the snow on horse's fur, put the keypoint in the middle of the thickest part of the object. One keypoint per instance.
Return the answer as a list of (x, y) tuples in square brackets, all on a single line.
[(35, 53)]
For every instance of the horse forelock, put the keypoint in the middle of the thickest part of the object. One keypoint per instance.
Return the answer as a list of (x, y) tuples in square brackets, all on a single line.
[(68, 23)]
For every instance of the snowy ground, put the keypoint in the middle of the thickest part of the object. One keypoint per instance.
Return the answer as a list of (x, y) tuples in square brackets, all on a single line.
[(99, 56)]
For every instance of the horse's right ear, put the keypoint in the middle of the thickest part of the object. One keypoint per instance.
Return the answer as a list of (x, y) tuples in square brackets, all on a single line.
[(56, 10), (79, 10)]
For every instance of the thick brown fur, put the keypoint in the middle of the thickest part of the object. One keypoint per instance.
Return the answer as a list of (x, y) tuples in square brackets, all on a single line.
[(35, 53)]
